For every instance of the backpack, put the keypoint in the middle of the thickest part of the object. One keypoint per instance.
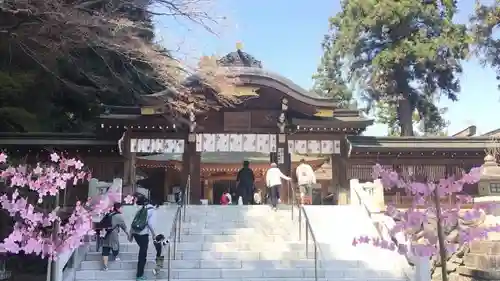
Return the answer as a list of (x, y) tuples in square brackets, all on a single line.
[(140, 220), (107, 223)]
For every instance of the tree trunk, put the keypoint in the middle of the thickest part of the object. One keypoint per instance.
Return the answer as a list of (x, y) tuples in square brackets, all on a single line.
[(440, 235), (405, 116)]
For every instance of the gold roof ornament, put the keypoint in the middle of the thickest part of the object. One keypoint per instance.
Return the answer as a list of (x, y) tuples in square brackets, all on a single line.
[(324, 113), (147, 110), (239, 46)]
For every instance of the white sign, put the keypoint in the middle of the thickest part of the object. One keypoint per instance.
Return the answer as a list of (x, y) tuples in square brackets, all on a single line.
[(263, 143), (323, 147), (157, 145), (281, 155)]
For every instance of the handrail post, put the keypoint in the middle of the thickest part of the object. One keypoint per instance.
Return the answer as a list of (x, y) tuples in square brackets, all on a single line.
[(187, 191), (180, 225), (175, 242), (315, 262), (169, 266), (293, 196), (307, 239), (300, 223)]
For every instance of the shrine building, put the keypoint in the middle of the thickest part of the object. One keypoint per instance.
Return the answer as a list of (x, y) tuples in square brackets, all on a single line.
[(272, 120)]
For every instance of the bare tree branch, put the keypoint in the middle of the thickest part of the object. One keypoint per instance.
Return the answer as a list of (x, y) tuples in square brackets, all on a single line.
[(48, 30)]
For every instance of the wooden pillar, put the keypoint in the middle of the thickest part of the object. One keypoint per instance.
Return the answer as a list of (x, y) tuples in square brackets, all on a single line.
[(195, 170), (126, 158), (335, 180), (186, 166), (340, 155), (166, 184), (285, 164), (191, 167), (132, 173)]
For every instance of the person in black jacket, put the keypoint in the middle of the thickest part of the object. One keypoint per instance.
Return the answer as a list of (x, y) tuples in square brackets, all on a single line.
[(245, 183)]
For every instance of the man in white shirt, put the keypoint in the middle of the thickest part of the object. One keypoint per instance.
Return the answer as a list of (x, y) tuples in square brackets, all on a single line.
[(273, 181), (305, 178)]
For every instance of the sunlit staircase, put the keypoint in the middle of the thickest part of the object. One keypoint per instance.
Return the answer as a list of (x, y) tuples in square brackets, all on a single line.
[(255, 243), (336, 226)]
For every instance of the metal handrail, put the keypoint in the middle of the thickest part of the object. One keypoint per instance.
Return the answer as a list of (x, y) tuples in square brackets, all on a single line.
[(173, 239), (315, 242), (185, 195), (293, 200), (175, 230)]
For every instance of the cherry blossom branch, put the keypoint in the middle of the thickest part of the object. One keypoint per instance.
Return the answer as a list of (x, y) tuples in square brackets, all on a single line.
[(33, 231), (424, 212)]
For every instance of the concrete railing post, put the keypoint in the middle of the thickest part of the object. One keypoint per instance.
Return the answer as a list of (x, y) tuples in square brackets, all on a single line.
[(422, 269)]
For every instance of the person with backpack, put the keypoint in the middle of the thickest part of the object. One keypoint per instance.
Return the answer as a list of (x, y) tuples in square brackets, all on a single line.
[(305, 179), (110, 227), (142, 225)]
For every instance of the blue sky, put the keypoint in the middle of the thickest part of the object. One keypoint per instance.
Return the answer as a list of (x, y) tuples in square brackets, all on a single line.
[(286, 37)]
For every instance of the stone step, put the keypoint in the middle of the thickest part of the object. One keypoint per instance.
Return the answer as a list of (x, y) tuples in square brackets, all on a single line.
[(298, 273), (210, 255), (481, 261), (234, 237), (270, 279), (253, 279), (221, 264), (226, 246), (485, 247), (231, 231)]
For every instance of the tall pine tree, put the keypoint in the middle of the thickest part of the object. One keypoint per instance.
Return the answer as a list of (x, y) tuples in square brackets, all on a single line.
[(402, 54)]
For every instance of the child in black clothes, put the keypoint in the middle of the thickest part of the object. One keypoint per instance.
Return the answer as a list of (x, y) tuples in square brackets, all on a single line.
[(159, 242)]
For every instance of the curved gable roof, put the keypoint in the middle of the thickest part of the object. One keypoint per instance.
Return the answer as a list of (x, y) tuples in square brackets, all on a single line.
[(261, 77)]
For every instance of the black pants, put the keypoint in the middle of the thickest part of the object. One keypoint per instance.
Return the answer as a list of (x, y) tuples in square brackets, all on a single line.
[(245, 195), (108, 250), (158, 248), (143, 242), (274, 195)]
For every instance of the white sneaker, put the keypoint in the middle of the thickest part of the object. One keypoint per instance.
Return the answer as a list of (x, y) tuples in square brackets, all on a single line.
[(279, 200)]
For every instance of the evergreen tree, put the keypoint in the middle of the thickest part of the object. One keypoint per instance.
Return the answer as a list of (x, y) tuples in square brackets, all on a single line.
[(328, 80), (404, 54), (485, 21)]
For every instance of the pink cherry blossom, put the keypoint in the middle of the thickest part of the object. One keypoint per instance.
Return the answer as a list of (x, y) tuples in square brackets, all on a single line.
[(54, 157), (423, 210), (3, 157), (29, 233), (129, 199), (78, 165)]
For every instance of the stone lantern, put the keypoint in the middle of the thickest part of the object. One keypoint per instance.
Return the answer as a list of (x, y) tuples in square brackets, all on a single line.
[(489, 183)]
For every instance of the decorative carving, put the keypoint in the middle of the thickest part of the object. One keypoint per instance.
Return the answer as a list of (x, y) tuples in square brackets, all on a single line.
[(192, 121), (239, 58), (237, 121), (284, 104), (282, 117)]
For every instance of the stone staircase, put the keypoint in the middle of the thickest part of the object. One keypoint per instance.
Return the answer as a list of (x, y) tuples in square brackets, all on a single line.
[(91, 267), (336, 226), (242, 243)]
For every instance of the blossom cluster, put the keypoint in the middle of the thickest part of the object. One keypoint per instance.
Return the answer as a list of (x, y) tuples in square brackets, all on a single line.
[(38, 230), (423, 211)]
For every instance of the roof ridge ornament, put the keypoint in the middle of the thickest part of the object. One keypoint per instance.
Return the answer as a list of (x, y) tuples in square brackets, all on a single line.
[(239, 58)]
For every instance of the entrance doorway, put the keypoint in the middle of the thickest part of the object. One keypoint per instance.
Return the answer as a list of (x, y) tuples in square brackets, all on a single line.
[(220, 186)]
